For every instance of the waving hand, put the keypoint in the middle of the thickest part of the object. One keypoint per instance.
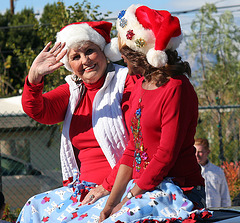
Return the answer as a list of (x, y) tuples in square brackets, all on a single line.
[(47, 61)]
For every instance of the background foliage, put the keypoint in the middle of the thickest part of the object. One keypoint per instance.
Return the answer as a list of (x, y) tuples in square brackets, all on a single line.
[(24, 36), (231, 170), (214, 43)]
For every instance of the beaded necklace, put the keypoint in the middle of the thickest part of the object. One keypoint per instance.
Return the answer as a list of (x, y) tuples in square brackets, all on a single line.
[(140, 153)]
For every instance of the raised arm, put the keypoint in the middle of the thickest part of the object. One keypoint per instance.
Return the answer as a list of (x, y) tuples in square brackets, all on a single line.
[(47, 61), (48, 108)]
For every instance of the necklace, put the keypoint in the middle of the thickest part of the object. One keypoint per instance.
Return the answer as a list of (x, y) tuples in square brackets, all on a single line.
[(147, 87), (141, 96)]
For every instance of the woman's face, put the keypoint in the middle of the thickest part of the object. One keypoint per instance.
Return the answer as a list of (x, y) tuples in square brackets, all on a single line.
[(88, 62)]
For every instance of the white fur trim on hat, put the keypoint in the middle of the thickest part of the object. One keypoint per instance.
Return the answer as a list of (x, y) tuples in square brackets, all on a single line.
[(111, 50), (76, 33), (157, 58), (142, 33), (174, 42)]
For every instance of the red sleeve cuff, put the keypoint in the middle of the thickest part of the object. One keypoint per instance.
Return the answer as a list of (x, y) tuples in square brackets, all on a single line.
[(34, 86), (106, 185), (127, 160), (109, 181)]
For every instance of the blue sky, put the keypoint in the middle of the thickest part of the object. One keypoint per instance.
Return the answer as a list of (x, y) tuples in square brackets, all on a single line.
[(115, 8), (111, 5)]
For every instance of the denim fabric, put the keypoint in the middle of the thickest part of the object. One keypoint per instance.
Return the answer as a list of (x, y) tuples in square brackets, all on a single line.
[(198, 197)]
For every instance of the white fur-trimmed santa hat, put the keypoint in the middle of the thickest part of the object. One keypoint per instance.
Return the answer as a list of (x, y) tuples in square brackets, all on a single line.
[(97, 32), (150, 32)]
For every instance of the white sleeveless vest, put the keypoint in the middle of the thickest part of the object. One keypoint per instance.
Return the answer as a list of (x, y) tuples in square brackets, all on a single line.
[(107, 120)]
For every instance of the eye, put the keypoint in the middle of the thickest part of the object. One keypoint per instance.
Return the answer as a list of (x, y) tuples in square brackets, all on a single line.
[(89, 51), (76, 57)]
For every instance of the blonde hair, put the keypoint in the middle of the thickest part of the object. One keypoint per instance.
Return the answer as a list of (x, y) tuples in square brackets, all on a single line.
[(202, 142)]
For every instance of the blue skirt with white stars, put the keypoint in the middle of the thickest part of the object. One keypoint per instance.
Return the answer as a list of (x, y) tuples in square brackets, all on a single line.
[(166, 202)]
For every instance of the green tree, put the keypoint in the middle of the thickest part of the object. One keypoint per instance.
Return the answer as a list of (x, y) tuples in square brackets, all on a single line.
[(16, 36), (5, 58), (214, 43), (20, 40)]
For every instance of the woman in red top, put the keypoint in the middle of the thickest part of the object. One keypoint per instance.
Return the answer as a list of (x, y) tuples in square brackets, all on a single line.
[(160, 156), (93, 105)]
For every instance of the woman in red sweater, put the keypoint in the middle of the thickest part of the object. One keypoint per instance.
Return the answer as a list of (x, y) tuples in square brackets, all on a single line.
[(159, 177), (93, 105)]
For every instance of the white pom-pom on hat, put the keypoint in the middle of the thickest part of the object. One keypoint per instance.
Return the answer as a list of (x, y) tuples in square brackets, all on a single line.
[(157, 58), (111, 50)]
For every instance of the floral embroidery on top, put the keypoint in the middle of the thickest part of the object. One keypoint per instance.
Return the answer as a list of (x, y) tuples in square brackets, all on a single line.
[(140, 152)]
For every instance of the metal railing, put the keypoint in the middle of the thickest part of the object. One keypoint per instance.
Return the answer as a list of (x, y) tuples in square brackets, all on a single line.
[(30, 157)]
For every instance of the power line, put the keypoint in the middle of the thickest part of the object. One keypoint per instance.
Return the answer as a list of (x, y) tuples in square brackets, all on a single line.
[(194, 10), (191, 11), (114, 19), (21, 26), (17, 27)]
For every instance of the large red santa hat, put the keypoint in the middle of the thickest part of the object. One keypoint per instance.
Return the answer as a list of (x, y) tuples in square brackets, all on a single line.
[(149, 31), (97, 32)]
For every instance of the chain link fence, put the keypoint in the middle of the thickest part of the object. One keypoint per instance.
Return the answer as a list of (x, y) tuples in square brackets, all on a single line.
[(30, 151), (221, 126), (30, 160)]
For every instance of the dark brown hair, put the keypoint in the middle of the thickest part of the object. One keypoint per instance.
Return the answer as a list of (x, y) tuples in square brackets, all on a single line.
[(175, 65)]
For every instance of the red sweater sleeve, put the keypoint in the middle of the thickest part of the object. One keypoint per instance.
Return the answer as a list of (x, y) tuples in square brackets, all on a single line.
[(48, 108)]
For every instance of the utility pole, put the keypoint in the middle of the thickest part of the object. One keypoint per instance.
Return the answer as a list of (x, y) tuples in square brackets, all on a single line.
[(12, 6)]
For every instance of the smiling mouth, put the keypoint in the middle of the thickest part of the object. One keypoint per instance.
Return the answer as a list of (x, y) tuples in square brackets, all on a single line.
[(89, 68)]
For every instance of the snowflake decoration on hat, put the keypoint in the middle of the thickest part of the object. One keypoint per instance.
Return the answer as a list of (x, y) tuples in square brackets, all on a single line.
[(121, 14), (130, 34), (123, 22), (140, 42)]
